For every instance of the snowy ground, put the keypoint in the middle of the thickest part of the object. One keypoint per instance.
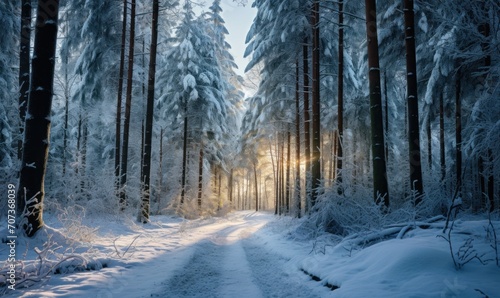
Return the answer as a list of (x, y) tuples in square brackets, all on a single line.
[(248, 254)]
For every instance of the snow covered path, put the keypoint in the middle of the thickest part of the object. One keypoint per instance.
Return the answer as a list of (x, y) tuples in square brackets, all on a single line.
[(216, 257), (232, 262)]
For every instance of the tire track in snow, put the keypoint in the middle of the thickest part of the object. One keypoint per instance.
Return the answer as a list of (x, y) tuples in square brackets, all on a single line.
[(199, 278), (276, 278)]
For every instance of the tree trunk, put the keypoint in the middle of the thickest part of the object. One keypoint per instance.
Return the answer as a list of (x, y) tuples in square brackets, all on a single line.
[(386, 126), (160, 173), (340, 95), (24, 69), (458, 132), (150, 112), (119, 99), (37, 127), (380, 188), (184, 154), (275, 178), (297, 141), (307, 129), (412, 99), (316, 117), (230, 187), (200, 177), (256, 186), (83, 153), (66, 118), (128, 104), (287, 183), (491, 182), (429, 144), (282, 172), (441, 138)]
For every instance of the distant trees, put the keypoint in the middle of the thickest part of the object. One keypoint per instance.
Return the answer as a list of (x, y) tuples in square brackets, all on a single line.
[(443, 67), (303, 138)]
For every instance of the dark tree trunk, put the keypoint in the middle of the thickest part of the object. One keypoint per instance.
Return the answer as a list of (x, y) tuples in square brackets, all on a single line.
[(316, 117), (149, 113), (24, 69), (441, 138), (386, 126), (340, 95), (119, 98), (275, 179), (307, 129), (66, 118), (297, 141), (282, 173), (184, 155), (160, 173), (458, 131), (128, 105), (83, 152), (412, 99), (256, 186), (429, 144), (200, 177), (230, 186), (37, 127), (380, 188), (287, 182), (491, 182)]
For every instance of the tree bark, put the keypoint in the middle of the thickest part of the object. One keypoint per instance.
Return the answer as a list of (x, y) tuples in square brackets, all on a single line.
[(256, 186), (150, 112), (414, 154), (340, 95), (380, 188), (316, 117), (307, 129), (128, 105), (287, 183), (441, 138), (37, 126), (429, 144), (119, 99), (297, 142), (386, 126), (200, 177), (458, 131), (184, 154)]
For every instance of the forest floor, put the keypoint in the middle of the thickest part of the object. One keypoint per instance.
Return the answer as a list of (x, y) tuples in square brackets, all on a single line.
[(253, 254)]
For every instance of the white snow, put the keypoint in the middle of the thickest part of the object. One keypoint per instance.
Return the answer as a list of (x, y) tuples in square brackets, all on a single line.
[(255, 254)]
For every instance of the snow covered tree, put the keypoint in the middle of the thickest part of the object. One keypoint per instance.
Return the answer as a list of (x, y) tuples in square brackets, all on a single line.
[(37, 128), (9, 116), (192, 79)]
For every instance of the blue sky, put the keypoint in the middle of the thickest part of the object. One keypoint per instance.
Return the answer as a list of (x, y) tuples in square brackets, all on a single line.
[(238, 20)]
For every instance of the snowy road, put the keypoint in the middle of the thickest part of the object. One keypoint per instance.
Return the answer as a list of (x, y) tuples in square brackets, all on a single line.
[(233, 262), (231, 256)]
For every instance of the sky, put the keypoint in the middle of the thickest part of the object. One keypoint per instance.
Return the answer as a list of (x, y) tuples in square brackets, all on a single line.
[(238, 20)]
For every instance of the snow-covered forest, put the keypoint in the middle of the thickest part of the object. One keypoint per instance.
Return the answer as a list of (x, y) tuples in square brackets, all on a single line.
[(358, 154)]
